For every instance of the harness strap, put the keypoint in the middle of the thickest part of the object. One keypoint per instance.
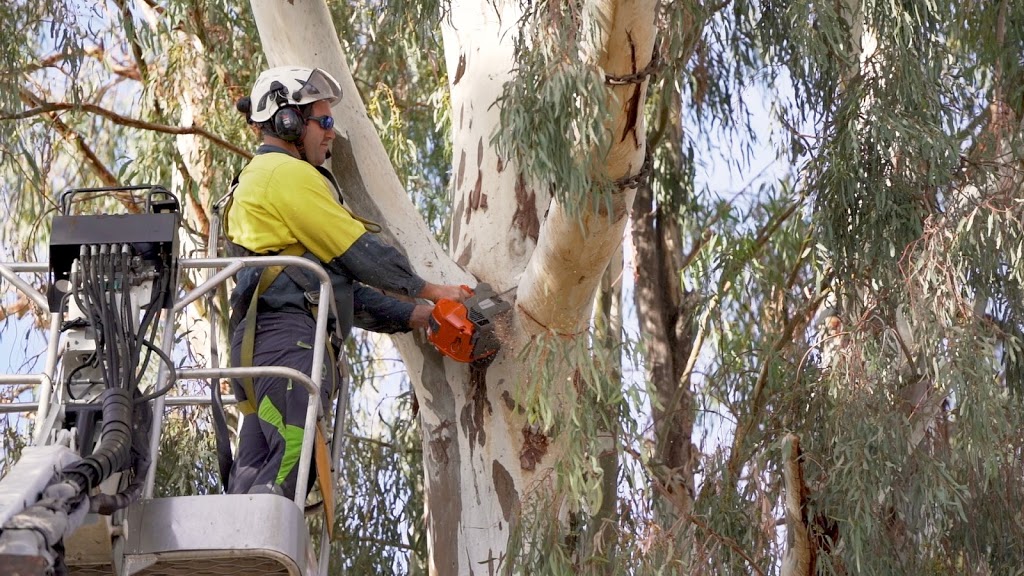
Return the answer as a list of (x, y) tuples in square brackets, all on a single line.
[(322, 459), (370, 225), (267, 277)]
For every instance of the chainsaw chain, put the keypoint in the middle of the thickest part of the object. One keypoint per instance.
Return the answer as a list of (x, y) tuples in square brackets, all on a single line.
[(638, 77), (640, 178)]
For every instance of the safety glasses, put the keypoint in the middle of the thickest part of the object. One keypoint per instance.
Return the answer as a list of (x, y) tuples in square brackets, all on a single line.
[(325, 122)]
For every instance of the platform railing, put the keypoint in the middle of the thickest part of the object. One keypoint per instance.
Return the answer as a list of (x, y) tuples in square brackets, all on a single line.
[(50, 398), (45, 379)]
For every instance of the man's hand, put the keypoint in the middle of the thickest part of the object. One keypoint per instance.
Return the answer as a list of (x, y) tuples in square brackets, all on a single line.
[(420, 316), (435, 292)]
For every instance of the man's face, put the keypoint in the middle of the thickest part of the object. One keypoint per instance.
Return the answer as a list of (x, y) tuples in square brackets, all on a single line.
[(317, 141)]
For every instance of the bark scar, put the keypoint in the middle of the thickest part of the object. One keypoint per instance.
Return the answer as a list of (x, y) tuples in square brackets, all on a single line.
[(535, 446), (460, 69), (440, 442), (505, 489), (633, 106), (525, 217), (473, 412)]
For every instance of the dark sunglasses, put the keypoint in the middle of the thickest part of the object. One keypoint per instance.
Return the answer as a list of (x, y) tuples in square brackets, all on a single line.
[(325, 122)]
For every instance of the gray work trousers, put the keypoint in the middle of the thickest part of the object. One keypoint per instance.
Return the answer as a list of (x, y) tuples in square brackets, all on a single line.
[(270, 439)]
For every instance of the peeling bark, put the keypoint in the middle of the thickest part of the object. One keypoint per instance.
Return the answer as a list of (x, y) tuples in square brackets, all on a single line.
[(535, 446)]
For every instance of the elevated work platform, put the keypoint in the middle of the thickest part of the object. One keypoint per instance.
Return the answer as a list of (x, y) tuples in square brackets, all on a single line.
[(260, 534)]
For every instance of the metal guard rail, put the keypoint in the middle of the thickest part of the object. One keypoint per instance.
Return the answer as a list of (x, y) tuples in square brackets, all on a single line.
[(229, 267)]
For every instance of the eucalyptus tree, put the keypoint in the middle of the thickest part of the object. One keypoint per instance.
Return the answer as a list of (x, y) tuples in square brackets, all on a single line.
[(899, 425), (537, 214)]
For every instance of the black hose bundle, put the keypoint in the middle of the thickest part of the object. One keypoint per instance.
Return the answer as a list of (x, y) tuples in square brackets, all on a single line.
[(113, 453), (142, 422), (107, 273)]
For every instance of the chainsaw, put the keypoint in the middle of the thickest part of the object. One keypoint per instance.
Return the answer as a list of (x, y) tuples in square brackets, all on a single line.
[(464, 331)]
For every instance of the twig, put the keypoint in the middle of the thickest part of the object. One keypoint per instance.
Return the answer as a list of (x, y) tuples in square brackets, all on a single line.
[(97, 52), (703, 239), (133, 39), (104, 173), (762, 379)]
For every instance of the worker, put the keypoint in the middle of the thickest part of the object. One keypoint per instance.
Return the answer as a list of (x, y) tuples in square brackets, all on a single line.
[(283, 202)]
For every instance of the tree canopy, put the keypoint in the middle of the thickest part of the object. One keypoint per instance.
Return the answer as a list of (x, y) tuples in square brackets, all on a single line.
[(824, 370)]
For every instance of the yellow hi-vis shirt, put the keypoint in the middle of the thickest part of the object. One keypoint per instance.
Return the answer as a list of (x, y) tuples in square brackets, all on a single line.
[(280, 201)]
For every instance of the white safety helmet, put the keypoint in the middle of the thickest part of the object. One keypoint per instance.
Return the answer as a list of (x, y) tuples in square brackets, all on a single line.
[(290, 85)]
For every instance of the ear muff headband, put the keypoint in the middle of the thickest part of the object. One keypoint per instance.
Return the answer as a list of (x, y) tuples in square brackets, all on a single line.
[(288, 122)]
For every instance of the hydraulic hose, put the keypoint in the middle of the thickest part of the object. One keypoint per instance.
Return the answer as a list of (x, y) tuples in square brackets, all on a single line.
[(114, 451), (142, 421)]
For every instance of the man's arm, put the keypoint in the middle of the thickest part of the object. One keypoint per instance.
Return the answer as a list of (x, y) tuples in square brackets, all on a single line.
[(378, 312), (372, 262), (330, 232)]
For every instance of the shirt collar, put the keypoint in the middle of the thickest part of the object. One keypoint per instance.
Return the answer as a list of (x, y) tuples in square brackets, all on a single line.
[(270, 148)]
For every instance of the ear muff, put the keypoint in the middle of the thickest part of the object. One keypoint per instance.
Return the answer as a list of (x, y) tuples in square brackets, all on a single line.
[(288, 124)]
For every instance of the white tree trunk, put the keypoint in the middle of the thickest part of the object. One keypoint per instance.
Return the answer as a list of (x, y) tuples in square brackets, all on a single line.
[(480, 458), (489, 193), (798, 560)]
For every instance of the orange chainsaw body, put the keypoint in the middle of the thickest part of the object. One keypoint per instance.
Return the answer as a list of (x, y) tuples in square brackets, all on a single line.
[(464, 331)]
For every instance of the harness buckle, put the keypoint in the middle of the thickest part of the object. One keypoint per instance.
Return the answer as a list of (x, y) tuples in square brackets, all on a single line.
[(312, 298)]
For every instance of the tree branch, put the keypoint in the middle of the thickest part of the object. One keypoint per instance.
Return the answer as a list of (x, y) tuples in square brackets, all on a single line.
[(49, 107), (127, 22), (799, 558), (105, 175), (97, 52)]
